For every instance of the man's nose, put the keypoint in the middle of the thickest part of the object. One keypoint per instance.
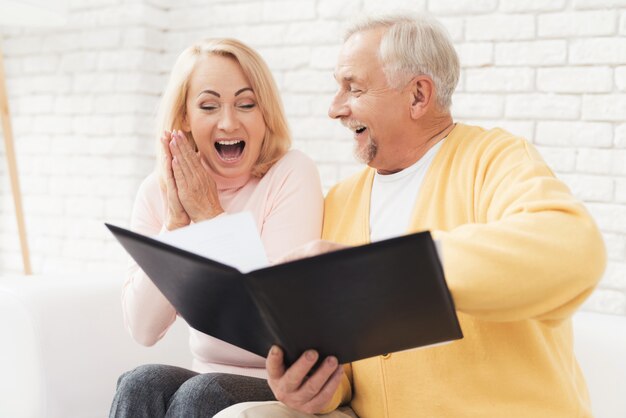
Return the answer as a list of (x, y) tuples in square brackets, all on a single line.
[(338, 107), (228, 120)]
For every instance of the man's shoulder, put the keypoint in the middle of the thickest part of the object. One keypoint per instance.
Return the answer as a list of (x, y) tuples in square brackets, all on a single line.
[(477, 145), (469, 136), (355, 182)]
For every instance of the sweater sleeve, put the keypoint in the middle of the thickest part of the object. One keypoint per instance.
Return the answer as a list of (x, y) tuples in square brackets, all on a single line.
[(295, 211), (533, 251), (147, 314)]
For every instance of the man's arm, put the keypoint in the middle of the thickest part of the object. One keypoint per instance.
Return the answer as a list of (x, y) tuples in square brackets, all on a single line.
[(533, 252)]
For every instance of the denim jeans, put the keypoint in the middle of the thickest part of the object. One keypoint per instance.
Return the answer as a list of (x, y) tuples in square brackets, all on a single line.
[(154, 391)]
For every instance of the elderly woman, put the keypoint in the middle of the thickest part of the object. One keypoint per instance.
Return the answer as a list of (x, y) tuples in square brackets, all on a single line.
[(224, 148)]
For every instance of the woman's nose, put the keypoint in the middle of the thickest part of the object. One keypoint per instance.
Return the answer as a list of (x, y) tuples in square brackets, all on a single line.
[(228, 120)]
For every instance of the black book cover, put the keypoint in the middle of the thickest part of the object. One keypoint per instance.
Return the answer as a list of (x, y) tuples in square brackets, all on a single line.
[(353, 303)]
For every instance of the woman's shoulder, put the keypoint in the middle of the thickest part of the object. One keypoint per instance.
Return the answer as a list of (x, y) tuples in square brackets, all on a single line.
[(293, 162), (150, 186), (294, 170), (148, 210), (149, 194)]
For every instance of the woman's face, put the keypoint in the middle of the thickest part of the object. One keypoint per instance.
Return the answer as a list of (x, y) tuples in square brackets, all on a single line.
[(223, 116)]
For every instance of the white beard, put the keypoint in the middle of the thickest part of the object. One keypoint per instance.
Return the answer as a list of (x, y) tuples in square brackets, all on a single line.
[(365, 153)]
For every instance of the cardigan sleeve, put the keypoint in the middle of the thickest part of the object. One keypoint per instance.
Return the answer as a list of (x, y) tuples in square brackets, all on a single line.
[(533, 250), (147, 314), (343, 394)]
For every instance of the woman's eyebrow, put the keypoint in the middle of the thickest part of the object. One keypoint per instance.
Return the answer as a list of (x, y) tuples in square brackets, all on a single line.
[(214, 93), (242, 90)]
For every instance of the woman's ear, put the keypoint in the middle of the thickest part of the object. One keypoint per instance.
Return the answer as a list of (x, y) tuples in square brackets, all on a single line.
[(185, 123), (421, 90)]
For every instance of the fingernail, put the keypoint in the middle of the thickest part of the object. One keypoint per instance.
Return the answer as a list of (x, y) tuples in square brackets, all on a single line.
[(274, 350), (310, 355), (332, 361)]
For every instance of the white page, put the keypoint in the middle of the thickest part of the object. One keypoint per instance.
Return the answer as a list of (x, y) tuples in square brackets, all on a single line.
[(230, 239)]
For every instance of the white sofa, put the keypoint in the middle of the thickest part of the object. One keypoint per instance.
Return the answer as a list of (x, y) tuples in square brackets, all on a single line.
[(600, 346), (63, 346)]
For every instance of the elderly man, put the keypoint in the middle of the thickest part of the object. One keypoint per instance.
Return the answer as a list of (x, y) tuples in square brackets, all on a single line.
[(520, 254)]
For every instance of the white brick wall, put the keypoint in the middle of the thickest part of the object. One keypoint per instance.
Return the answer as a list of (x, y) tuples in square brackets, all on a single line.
[(575, 79), (82, 99), (534, 53), (577, 24), (84, 96)]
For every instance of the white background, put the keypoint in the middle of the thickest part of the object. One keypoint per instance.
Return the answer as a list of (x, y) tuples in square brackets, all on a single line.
[(83, 99)]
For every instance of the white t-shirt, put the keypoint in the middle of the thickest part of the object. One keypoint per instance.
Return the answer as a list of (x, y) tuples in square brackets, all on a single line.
[(393, 197)]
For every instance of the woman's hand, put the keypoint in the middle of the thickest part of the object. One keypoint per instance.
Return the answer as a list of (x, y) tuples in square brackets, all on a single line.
[(176, 215), (196, 189)]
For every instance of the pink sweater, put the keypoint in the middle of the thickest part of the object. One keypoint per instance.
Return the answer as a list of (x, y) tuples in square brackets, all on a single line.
[(287, 204)]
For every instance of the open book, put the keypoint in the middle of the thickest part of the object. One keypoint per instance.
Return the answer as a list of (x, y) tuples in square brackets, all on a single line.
[(353, 303)]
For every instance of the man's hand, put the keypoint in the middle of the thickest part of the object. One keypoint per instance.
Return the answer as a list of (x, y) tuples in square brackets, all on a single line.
[(310, 249), (292, 386)]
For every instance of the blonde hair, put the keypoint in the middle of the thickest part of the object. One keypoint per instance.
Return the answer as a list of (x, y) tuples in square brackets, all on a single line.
[(172, 109), (414, 45)]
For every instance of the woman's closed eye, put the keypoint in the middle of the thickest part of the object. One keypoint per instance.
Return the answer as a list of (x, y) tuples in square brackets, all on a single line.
[(246, 105), (209, 106)]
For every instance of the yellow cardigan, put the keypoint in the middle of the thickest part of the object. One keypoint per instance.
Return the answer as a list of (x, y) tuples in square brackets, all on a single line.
[(520, 254)]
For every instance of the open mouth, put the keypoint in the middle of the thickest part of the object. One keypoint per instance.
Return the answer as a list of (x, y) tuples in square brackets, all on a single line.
[(359, 131), (230, 150)]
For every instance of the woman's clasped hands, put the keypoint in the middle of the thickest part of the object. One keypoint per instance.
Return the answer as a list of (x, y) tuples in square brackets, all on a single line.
[(190, 190)]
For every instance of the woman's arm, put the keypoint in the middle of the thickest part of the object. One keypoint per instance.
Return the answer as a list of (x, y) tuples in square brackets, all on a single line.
[(147, 314)]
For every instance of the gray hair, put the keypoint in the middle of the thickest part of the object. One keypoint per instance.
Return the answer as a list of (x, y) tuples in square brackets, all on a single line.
[(414, 45)]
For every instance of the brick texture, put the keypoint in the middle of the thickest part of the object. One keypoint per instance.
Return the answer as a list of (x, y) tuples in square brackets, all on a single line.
[(83, 99)]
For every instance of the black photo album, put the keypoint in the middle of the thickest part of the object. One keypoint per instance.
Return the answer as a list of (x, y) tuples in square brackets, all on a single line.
[(354, 303)]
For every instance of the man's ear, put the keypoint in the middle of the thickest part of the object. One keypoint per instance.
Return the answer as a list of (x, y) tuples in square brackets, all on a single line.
[(422, 91)]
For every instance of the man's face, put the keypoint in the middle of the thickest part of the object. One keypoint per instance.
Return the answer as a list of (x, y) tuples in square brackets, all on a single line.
[(367, 105)]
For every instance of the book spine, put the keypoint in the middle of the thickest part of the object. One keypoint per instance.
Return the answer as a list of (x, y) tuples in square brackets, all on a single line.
[(264, 308)]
